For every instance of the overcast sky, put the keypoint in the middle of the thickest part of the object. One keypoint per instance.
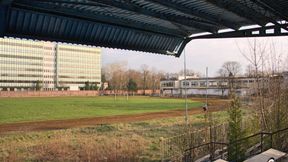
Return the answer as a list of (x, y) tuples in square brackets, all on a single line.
[(199, 54)]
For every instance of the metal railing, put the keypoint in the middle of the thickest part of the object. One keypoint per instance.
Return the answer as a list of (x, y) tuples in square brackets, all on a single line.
[(251, 145), (198, 145)]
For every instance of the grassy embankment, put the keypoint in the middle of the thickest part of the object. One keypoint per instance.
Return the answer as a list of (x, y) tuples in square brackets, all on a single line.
[(136, 141)]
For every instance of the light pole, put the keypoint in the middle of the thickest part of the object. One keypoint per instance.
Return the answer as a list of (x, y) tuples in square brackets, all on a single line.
[(185, 88), (206, 89)]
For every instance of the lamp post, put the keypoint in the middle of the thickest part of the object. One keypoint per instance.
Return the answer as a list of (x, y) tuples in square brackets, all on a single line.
[(185, 88)]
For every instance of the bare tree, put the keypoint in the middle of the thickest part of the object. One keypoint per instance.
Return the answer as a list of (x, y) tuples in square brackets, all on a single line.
[(222, 83), (276, 91), (154, 79), (189, 72), (266, 65), (145, 73), (250, 71), (118, 76), (115, 74), (274, 59), (230, 67), (255, 55), (135, 75)]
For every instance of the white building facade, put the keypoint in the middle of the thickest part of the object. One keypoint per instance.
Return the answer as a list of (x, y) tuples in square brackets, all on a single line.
[(54, 66), (217, 86)]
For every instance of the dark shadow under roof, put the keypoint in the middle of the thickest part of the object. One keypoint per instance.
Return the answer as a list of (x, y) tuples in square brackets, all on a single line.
[(157, 26)]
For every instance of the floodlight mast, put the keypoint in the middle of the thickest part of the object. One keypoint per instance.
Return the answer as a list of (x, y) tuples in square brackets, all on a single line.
[(185, 88), (206, 89)]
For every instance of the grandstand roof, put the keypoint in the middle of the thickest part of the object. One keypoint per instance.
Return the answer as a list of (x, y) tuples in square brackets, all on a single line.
[(157, 26)]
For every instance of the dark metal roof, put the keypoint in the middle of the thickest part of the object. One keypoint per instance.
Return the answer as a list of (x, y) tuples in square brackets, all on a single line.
[(158, 26)]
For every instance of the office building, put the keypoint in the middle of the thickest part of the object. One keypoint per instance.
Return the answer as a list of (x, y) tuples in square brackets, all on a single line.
[(27, 64)]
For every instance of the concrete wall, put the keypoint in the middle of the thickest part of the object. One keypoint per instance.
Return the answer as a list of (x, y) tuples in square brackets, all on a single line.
[(46, 93), (70, 93)]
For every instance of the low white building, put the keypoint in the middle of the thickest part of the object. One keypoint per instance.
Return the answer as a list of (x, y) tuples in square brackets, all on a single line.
[(217, 86)]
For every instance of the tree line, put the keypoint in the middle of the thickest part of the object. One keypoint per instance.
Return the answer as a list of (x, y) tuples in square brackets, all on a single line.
[(120, 77)]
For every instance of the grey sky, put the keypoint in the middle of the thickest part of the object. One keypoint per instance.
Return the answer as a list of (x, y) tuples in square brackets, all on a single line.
[(199, 53)]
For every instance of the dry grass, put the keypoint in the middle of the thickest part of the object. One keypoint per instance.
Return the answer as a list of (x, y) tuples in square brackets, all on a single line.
[(75, 147), (125, 142)]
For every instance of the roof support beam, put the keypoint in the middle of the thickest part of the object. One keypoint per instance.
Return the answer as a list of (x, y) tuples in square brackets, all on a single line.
[(54, 9), (268, 31), (259, 7), (176, 19), (199, 14), (272, 9), (240, 10), (182, 46)]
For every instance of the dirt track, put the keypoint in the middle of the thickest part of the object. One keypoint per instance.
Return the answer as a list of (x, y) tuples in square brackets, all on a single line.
[(214, 105), (72, 123)]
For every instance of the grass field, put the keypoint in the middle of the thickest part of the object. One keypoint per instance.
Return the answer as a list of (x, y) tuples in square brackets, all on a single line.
[(53, 108), (122, 141)]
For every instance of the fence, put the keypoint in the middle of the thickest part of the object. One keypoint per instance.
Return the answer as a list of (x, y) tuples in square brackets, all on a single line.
[(208, 145), (175, 147)]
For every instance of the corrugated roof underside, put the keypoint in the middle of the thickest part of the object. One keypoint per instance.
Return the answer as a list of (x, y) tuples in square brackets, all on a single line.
[(212, 10), (155, 26), (56, 28)]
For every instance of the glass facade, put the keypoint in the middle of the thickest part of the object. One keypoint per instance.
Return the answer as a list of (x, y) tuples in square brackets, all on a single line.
[(25, 63), (77, 65)]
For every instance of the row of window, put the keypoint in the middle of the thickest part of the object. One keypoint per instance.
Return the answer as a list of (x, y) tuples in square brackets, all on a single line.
[(21, 57), (20, 69), (23, 88), (20, 75), (71, 82), (17, 45), (19, 63), (18, 81), (78, 60), (88, 76), (83, 66), (26, 84), (79, 71), (77, 50), (26, 51), (204, 83), (168, 84), (78, 77), (195, 84)]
